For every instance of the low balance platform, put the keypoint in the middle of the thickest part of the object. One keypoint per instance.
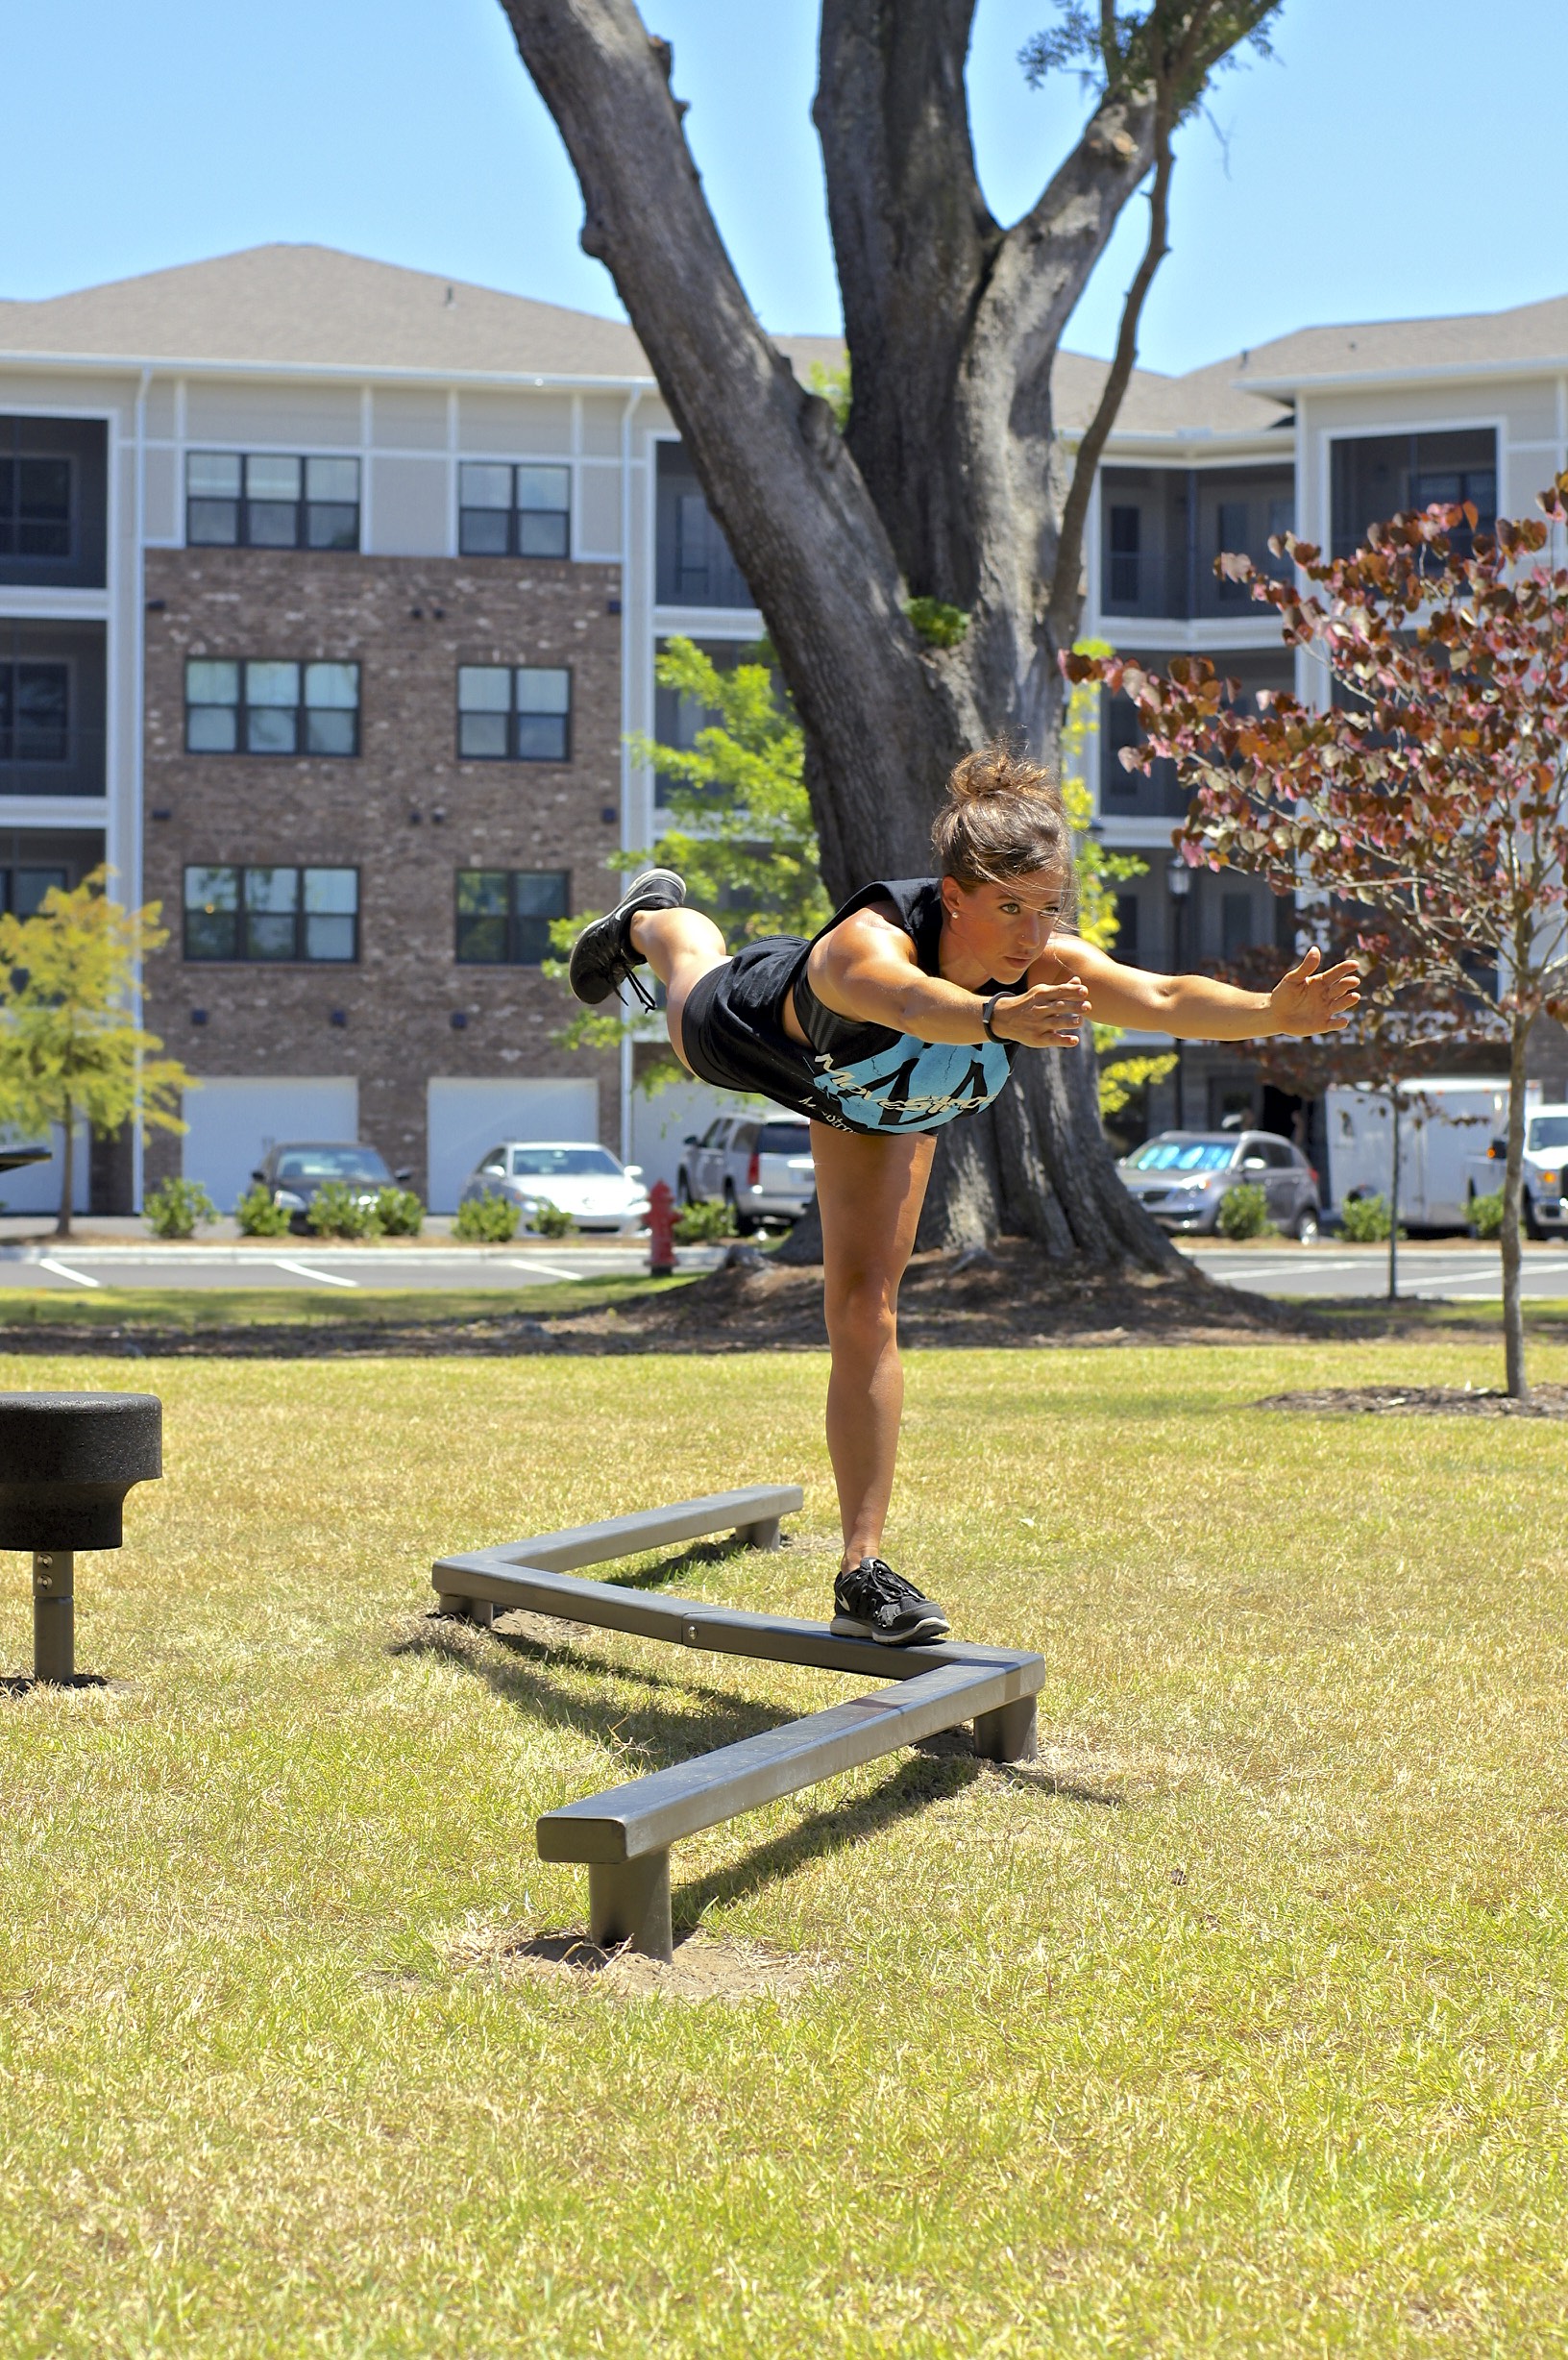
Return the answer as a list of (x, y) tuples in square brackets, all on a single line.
[(624, 1836), (66, 1463)]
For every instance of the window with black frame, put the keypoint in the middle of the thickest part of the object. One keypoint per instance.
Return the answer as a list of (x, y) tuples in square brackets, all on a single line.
[(35, 506), (22, 890), (506, 510), (504, 914), (1375, 477), (264, 705), (35, 713), (265, 912), (264, 500), (514, 713)]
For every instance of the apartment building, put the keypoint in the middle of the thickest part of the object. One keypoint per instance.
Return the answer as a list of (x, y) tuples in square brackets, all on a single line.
[(331, 593)]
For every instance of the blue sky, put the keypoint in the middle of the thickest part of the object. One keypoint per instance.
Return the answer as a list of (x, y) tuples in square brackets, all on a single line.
[(1398, 156)]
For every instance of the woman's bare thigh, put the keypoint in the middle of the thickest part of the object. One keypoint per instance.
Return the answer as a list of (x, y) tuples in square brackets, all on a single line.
[(869, 1189)]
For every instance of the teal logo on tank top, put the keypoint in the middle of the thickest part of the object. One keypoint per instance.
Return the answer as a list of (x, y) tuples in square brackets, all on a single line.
[(915, 1085)]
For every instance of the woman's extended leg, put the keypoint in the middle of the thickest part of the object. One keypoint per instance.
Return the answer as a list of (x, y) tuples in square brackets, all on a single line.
[(869, 1189), (680, 946)]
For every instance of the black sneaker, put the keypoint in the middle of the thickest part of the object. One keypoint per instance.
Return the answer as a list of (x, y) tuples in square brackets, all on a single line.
[(602, 957), (872, 1602)]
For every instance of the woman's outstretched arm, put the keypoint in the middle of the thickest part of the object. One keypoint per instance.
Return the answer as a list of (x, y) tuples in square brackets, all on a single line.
[(1310, 998)]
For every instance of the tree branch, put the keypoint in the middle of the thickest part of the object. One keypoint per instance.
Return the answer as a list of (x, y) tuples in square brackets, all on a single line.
[(1064, 601)]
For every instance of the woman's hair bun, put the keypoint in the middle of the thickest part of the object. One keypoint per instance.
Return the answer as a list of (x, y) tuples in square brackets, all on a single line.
[(1003, 818)]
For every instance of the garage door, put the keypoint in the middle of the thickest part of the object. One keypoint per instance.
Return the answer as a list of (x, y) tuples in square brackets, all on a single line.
[(466, 1117), (233, 1122), (34, 1187)]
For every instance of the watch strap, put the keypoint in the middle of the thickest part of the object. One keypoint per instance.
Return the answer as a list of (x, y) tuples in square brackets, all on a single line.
[(987, 1010)]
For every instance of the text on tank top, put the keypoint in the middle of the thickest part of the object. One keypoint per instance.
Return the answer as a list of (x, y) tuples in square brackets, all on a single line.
[(875, 1079)]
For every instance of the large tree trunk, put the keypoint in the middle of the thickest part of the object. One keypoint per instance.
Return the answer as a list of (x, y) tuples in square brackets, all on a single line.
[(947, 484)]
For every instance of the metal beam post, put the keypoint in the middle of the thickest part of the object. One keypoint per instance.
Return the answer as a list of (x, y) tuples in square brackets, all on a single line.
[(54, 1617), (1009, 1733), (629, 1901)]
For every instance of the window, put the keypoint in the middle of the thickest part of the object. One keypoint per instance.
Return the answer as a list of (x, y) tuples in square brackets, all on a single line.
[(34, 712), (266, 707), (693, 564), (1377, 475), (508, 511), (1235, 924), (1126, 526), (266, 501), (503, 914), (1125, 945), (54, 501), (22, 889), (35, 507), (272, 913), (514, 713)]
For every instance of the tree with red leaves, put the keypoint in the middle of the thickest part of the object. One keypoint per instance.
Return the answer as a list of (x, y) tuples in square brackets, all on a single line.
[(1433, 788)]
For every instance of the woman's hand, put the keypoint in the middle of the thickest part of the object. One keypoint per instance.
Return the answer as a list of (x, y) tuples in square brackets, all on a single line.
[(1043, 1016), (1307, 1000)]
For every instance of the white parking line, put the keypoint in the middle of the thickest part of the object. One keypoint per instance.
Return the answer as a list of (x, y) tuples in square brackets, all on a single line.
[(541, 1269), (61, 1271), (327, 1278)]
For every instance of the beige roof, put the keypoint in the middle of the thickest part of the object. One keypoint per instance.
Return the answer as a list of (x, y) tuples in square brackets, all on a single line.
[(313, 307), (305, 307)]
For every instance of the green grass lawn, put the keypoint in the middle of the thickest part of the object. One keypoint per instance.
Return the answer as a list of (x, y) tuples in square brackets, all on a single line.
[(1238, 2028)]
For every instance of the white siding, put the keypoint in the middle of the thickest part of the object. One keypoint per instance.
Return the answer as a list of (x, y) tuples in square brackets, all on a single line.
[(410, 509)]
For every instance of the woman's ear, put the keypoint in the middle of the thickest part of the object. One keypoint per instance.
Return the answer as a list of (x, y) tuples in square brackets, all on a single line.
[(952, 896)]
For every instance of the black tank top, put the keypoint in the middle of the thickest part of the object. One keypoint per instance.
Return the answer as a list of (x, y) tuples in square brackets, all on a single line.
[(868, 1077)]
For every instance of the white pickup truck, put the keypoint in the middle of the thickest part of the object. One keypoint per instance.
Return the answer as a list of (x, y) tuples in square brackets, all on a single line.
[(1452, 1142)]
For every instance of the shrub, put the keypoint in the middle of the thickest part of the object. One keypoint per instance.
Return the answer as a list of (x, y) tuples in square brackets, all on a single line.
[(1364, 1219), (486, 1221), (1486, 1214), (1243, 1211), (399, 1213), (939, 624), (704, 1222), (337, 1211), (259, 1216), (552, 1222), (173, 1210)]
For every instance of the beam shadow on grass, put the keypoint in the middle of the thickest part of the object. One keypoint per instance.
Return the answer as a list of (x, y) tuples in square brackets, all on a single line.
[(654, 1736)]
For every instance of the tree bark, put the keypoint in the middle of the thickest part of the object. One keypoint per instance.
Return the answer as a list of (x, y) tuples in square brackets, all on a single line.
[(946, 485), (68, 1188), (1513, 1253)]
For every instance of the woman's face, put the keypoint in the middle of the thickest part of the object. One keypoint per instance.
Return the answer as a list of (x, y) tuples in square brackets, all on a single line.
[(1003, 928)]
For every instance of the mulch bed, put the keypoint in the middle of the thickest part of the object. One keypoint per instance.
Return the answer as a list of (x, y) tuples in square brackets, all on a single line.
[(1008, 1296), (1422, 1401)]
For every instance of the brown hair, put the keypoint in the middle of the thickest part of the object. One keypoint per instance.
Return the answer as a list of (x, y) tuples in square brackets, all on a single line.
[(1003, 818)]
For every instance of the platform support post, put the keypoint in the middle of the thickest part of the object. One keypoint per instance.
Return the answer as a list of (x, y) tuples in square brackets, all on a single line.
[(478, 1610), (1009, 1734), (629, 1901), (763, 1536), (54, 1617)]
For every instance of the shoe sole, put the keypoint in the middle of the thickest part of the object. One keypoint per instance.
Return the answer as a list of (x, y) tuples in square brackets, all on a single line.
[(930, 1627), (630, 899)]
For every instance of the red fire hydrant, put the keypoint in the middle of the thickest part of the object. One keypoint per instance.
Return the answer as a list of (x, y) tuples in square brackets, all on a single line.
[(661, 1231)]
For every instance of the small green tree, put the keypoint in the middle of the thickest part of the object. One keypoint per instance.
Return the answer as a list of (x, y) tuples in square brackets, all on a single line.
[(71, 1050), (739, 831)]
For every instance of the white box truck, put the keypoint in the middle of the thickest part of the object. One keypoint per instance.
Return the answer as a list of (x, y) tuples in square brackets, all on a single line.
[(1450, 1134)]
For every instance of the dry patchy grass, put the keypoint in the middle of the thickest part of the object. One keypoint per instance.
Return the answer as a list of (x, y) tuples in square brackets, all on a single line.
[(1234, 2026)]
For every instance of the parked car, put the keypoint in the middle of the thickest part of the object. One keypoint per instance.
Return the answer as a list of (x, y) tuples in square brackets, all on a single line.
[(292, 1171), (1183, 1178), (759, 1165), (583, 1178)]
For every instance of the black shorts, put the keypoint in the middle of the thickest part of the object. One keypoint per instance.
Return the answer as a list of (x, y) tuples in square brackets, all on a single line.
[(732, 1029)]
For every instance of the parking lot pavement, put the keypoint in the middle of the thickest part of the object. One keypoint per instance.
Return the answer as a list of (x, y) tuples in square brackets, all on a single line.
[(298, 1263), (1428, 1272)]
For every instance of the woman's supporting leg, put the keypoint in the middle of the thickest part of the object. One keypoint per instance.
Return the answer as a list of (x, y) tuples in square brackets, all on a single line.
[(869, 1189), (680, 946)]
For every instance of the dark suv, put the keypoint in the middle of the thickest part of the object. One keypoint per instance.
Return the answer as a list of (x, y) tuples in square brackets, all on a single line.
[(292, 1171), (1183, 1178)]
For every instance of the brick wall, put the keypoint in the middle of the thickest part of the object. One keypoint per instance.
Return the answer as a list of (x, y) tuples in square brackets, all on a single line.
[(406, 813)]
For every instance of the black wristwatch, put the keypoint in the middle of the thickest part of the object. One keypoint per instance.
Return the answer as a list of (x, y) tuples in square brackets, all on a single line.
[(988, 1009)]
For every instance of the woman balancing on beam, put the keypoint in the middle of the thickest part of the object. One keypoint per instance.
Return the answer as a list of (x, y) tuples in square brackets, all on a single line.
[(904, 1014)]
